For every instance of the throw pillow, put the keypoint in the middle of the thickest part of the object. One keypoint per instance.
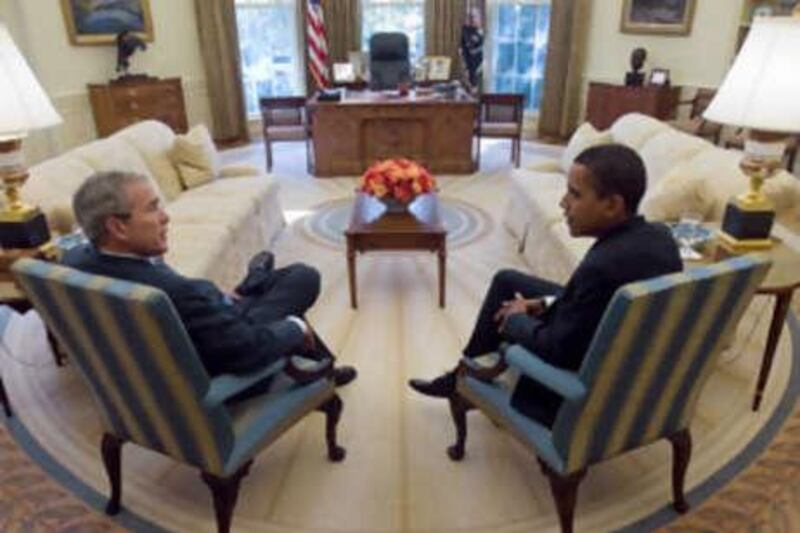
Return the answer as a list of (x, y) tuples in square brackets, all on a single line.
[(584, 137), (195, 157)]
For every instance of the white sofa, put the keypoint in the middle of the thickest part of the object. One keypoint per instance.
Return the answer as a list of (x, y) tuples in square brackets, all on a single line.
[(214, 229), (684, 173)]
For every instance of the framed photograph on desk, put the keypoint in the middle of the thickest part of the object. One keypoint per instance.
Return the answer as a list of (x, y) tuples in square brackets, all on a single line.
[(659, 76), (657, 17)]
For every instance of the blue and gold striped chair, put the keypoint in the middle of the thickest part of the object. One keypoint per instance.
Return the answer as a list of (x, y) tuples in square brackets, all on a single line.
[(650, 356), (152, 389)]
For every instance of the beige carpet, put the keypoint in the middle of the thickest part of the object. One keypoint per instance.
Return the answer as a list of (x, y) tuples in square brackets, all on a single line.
[(396, 476)]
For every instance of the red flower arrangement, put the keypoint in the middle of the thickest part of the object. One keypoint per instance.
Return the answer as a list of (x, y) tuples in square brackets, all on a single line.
[(401, 179)]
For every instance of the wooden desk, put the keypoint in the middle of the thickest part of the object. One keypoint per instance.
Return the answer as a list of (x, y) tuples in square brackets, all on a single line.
[(350, 135), (781, 281), (607, 102), (371, 228)]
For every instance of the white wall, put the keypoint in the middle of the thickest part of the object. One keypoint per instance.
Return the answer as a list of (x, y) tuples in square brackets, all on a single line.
[(38, 28), (699, 59)]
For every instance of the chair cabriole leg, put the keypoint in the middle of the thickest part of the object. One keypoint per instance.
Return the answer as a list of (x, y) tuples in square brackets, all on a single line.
[(225, 492), (111, 448), (333, 412), (458, 409), (681, 453), (565, 493)]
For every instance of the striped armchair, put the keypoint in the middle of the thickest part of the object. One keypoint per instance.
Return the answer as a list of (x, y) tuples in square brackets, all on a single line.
[(650, 356), (152, 389)]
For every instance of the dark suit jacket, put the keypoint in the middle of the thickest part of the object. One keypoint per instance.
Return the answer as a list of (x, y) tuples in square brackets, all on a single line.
[(225, 338), (634, 251)]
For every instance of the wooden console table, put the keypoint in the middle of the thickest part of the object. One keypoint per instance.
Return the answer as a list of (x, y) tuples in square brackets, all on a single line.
[(371, 228), (121, 103), (350, 135), (607, 102)]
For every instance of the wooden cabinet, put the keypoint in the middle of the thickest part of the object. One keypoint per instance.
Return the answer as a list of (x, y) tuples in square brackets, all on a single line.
[(607, 102), (120, 103)]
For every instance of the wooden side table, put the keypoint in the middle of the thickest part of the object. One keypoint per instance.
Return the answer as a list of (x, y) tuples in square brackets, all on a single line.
[(12, 296), (781, 281), (607, 102), (371, 228)]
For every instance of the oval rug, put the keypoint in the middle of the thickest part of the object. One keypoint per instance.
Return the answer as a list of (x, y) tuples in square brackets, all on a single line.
[(465, 223)]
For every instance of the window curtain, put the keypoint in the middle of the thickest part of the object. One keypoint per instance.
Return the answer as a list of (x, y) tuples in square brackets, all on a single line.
[(342, 27), (443, 21), (219, 46), (566, 50)]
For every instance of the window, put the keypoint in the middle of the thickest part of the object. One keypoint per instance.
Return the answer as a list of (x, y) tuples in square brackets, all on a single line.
[(517, 47), (407, 16), (269, 45)]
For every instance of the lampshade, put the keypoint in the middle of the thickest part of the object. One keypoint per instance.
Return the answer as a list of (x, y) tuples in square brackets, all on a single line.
[(24, 106), (762, 89)]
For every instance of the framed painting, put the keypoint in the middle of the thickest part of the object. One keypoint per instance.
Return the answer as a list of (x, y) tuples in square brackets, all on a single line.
[(657, 17), (91, 22)]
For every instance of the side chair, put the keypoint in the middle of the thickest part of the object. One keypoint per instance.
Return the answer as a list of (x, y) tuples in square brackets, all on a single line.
[(500, 117), (654, 349), (285, 118), (152, 390), (695, 124)]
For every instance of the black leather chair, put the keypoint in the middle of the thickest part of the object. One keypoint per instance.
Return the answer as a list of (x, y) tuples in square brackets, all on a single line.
[(388, 60)]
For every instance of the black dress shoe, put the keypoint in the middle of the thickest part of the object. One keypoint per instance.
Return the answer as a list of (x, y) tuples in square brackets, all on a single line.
[(342, 375), (262, 261), (442, 387)]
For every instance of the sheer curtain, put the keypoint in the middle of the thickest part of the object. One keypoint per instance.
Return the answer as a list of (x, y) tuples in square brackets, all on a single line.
[(269, 41), (515, 48)]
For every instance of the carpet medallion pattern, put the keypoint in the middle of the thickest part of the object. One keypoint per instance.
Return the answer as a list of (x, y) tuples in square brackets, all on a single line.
[(465, 223)]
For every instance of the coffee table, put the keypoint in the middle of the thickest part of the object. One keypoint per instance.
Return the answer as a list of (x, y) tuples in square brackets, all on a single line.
[(372, 228)]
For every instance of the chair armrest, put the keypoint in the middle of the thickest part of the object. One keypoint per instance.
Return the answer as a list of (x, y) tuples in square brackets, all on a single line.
[(483, 372), (558, 380), (237, 171), (225, 386)]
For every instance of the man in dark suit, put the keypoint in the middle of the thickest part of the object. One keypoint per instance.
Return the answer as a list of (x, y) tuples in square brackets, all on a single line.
[(258, 324), (604, 187)]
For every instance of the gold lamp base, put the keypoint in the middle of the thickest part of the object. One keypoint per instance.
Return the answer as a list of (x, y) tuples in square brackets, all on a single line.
[(21, 225), (748, 218)]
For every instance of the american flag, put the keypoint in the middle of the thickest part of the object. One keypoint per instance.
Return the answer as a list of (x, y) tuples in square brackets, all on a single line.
[(317, 44)]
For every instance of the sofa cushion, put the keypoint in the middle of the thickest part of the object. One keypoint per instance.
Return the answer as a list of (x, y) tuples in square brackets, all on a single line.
[(584, 137), (230, 212), (667, 149), (250, 189), (154, 140), (634, 129), (195, 157), (113, 153), (51, 185), (705, 184)]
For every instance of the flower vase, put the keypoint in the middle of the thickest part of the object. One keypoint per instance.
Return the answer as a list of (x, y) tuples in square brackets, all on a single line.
[(394, 206)]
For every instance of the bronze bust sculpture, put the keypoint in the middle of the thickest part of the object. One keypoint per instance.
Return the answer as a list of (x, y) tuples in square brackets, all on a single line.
[(635, 78), (127, 44)]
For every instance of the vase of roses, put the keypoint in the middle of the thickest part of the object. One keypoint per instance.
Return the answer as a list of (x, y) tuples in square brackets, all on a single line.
[(396, 182)]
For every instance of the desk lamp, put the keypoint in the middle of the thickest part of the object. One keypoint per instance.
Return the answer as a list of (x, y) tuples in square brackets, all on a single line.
[(24, 106), (761, 92)]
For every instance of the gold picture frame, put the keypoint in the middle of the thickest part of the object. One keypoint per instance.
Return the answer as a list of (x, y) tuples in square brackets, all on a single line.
[(93, 24), (657, 17)]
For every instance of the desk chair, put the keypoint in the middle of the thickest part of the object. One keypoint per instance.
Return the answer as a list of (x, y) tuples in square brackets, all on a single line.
[(696, 124), (500, 117), (285, 119), (152, 390), (388, 60), (649, 358)]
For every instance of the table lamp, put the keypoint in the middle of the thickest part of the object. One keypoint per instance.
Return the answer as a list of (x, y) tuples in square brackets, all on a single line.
[(761, 92), (24, 106)]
